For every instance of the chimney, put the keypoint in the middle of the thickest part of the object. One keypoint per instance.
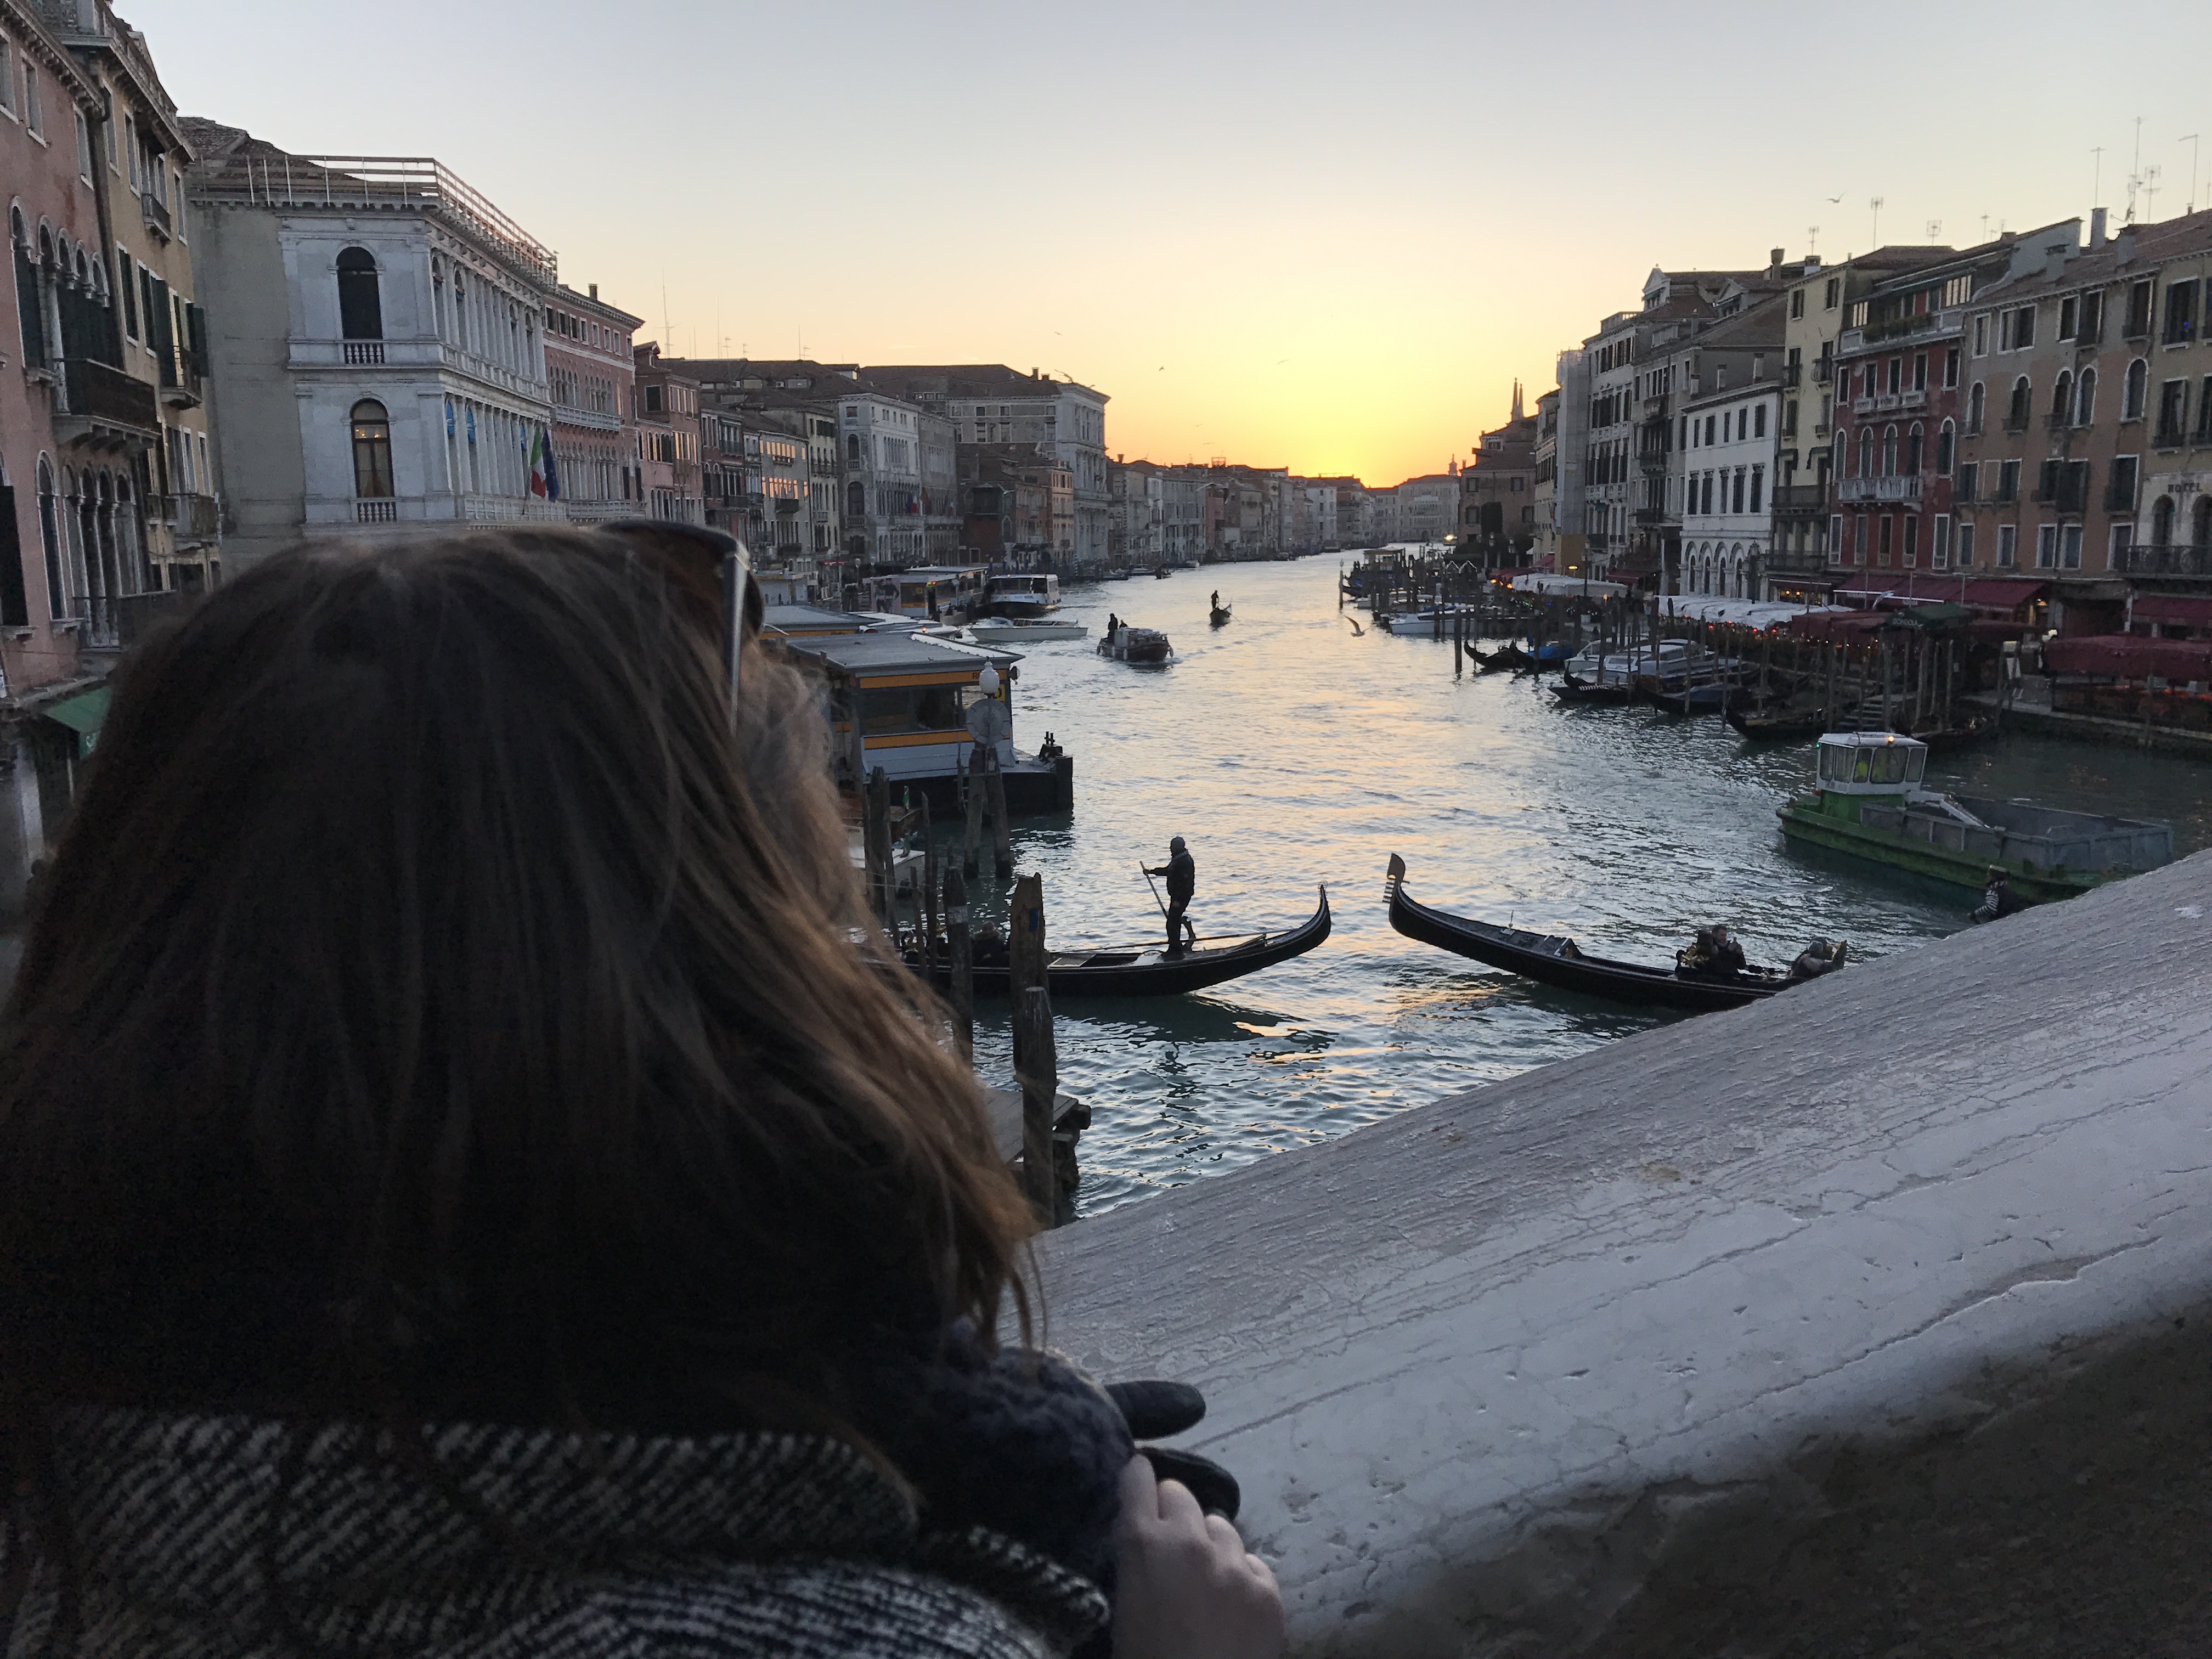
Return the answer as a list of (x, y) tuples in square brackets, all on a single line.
[(595, 290), (2124, 243), (2097, 228), (1774, 258)]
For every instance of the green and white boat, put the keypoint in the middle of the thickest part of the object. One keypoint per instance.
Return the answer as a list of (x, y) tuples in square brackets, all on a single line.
[(1868, 801)]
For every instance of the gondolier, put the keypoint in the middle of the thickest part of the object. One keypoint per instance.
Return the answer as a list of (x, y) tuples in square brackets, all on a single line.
[(1181, 872)]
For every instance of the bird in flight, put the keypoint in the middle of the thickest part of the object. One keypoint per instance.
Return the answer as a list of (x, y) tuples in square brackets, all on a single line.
[(1835, 198)]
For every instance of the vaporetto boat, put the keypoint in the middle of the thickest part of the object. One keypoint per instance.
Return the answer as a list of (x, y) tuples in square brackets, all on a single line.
[(1007, 630)]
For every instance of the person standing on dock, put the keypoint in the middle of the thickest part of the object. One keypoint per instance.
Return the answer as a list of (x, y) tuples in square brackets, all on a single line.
[(1181, 872)]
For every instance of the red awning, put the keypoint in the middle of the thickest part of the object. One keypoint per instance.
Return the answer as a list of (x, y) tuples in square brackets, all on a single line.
[(2186, 609), (1987, 593), (1839, 627), (2128, 657)]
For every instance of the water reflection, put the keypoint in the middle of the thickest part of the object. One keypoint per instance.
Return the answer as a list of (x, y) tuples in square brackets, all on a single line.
[(1292, 753)]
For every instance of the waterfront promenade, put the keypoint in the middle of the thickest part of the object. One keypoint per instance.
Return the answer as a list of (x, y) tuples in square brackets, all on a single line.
[(1868, 1321)]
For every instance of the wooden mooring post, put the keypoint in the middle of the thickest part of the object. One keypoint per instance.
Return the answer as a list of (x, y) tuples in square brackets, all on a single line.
[(960, 965), (1002, 828), (971, 802), (1037, 1056), (876, 844)]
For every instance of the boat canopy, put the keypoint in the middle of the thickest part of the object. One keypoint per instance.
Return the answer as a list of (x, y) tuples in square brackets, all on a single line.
[(1745, 613), (1871, 762), (1548, 585)]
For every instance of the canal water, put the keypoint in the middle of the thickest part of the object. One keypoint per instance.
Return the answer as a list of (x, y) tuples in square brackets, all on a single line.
[(1291, 753)]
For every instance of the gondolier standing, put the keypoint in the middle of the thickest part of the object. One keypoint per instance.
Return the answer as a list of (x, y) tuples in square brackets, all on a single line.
[(1181, 872)]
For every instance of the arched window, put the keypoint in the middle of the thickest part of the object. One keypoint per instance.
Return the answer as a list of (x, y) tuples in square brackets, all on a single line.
[(1947, 448), (1866, 452), (361, 307), (29, 309), (1889, 453), (853, 448), (460, 310), (2085, 398), (1912, 441), (2017, 410), (371, 451), (856, 500), (50, 542), (1977, 406), (2161, 522), (2137, 391)]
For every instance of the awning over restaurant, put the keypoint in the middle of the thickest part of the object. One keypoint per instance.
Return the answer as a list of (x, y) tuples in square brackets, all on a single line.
[(1743, 613), (1838, 626), (82, 715), (1918, 587), (2185, 610), (2130, 657)]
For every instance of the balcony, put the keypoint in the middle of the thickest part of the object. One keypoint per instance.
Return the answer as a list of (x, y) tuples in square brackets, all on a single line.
[(1651, 515), (1655, 406), (180, 379), (1922, 326), (2059, 422), (1654, 460), (1792, 373), (1903, 489), (1862, 406), (1918, 399), (1823, 372), (195, 518), (363, 354), (107, 408), (156, 213), (2175, 559), (2169, 437), (1800, 501), (2017, 421)]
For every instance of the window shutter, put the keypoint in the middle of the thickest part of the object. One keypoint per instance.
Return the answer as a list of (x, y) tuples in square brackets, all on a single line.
[(2046, 483), (196, 324)]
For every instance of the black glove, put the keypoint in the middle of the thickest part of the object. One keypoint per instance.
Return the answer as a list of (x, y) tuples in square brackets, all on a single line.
[(1156, 1409)]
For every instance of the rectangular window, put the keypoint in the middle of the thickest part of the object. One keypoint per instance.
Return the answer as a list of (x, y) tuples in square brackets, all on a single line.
[(130, 295), (1834, 292), (1882, 557), (1957, 291), (1796, 302), (2172, 414), (1920, 372), (2046, 547), (1759, 425), (1981, 335), (2120, 488), (1757, 488), (2204, 411), (2181, 313), (1859, 540), (1939, 552), (2008, 481), (1858, 316), (1951, 368), (2068, 314), (2139, 298), (130, 151), (2090, 327), (7, 75), (1896, 365), (34, 112), (2023, 328), (2116, 549), (1965, 547), (2070, 547), (83, 147), (146, 300), (2007, 546), (1969, 474), (1836, 536)]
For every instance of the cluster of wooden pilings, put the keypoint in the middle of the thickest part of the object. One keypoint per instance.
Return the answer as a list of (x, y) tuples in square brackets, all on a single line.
[(928, 927)]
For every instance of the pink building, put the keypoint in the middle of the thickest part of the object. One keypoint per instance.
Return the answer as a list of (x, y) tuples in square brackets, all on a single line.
[(71, 423), (591, 376)]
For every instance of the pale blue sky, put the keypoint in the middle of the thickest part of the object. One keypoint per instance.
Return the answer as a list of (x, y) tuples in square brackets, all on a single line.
[(1324, 236)]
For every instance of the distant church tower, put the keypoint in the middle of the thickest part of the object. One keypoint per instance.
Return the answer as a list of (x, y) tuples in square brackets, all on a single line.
[(1517, 400)]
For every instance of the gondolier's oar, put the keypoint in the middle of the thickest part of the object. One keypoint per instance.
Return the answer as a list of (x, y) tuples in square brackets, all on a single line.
[(1149, 882)]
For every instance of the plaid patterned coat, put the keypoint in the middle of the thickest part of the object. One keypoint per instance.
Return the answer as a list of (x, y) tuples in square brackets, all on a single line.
[(242, 1538)]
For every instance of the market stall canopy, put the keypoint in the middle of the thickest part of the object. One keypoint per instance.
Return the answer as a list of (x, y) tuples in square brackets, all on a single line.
[(2130, 657), (82, 715)]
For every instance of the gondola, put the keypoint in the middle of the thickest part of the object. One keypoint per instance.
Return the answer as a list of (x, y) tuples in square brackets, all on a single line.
[(1555, 960), (1505, 657), (1572, 688), (1218, 616), (1147, 971), (1971, 730)]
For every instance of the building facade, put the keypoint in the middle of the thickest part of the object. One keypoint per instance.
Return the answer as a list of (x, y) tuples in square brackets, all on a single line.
[(672, 480), (591, 378), (884, 512), (1497, 490), (376, 345), (989, 404), (1726, 500)]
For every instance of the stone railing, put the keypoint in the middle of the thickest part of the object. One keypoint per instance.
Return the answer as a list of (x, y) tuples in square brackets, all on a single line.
[(1811, 1327)]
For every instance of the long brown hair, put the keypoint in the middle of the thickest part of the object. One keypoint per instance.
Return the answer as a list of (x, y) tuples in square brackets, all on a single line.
[(434, 1007)]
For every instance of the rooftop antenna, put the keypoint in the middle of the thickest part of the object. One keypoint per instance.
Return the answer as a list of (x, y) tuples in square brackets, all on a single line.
[(1812, 239), (1934, 229), (667, 328), (1985, 226), (1875, 203), (2134, 173), (2189, 139), (2097, 177), (2151, 176)]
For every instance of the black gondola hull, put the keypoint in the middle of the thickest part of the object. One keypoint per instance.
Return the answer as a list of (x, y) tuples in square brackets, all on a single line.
[(1525, 953), (1128, 976)]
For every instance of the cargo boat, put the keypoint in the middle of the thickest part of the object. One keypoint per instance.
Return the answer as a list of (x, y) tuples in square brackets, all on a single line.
[(1868, 801)]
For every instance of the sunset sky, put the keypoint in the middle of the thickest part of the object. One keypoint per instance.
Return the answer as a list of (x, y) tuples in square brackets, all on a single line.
[(1328, 237)]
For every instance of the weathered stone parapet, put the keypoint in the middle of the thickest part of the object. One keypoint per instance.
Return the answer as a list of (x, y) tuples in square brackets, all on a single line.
[(1866, 1320)]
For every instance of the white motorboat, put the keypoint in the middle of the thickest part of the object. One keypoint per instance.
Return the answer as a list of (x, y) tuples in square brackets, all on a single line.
[(1005, 631)]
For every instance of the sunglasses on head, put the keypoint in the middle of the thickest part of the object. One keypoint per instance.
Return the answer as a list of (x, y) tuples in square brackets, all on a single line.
[(712, 565)]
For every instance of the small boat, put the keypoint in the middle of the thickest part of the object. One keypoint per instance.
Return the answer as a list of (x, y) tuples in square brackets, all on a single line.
[(1970, 730), (1505, 657), (1136, 645), (1697, 696), (1149, 971), (1617, 694), (1777, 725), (1117, 575), (1555, 959), (1868, 801), (1007, 630), (1023, 596), (1553, 655), (1163, 573), (1218, 616)]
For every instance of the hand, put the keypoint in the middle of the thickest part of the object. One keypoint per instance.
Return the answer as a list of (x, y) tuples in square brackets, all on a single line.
[(1188, 1588)]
